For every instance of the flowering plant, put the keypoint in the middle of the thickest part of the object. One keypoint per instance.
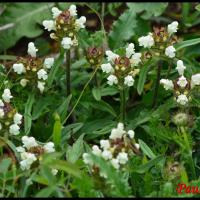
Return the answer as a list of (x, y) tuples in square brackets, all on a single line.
[(102, 101)]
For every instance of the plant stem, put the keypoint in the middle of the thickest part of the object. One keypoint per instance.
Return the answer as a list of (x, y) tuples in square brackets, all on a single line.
[(79, 98), (68, 78), (122, 105), (102, 13), (189, 150), (96, 80), (155, 96)]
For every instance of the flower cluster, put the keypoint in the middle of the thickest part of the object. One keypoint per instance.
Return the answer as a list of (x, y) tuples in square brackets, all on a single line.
[(10, 119), (65, 26), (116, 149), (94, 56), (161, 41), (33, 70), (181, 86), (122, 69), (31, 151)]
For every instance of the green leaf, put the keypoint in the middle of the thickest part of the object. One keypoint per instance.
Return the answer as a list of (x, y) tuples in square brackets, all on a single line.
[(63, 108), (198, 7), (55, 68), (97, 93), (102, 105), (147, 10), (4, 165), (109, 91), (65, 166), (24, 20), (143, 75), (45, 192), (186, 43), (123, 29), (27, 113), (40, 107), (74, 152), (144, 168), (57, 131), (7, 57), (146, 150), (47, 174)]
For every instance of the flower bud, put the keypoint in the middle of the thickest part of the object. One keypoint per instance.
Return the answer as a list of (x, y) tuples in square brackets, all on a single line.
[(180, 119), (94, 55)]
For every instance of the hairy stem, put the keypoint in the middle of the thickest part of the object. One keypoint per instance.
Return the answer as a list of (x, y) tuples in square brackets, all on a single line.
[(122, 105), (82, 92), (68, 77), (155, 96), (102, 13)]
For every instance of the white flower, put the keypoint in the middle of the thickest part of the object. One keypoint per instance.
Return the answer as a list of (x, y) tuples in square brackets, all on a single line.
[(131, 133), (122, 157), (195, 80), (17, 118), (130, 50), (40, 86), (19, 68), (72, 10), (14, 129), (48, 62), (105, 144), (111, 56), (115, 163), (54, 171), (66, 42), (182, 82), (1, 113), (120, 126), (182, 99), (137, 145), (168, 84), (1, 103), (170, 51), (7, 95), (180, 67), (32, 49), (20, 149), (27, 160), (107, 68), (96, 150), (112, 79), (56, 12), (107, 155), (172, 28), (146, 41), (24, 82), (42, 74), (136, 59), (80, 23), (29, 142), (25, 164), (49, 25), (129, 81), (49, 147), (117, 132), (87, 159)]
